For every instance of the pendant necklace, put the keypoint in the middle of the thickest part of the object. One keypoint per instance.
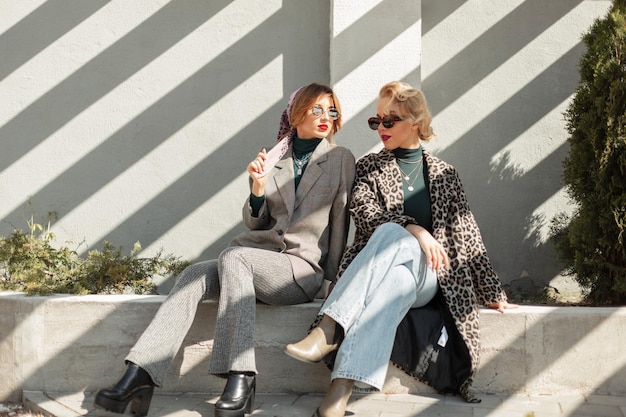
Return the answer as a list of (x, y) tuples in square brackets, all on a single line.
[(407, 177), (301, 162)]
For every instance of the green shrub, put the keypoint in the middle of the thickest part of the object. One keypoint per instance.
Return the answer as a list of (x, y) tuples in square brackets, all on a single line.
[(592, 242), (30, 263)]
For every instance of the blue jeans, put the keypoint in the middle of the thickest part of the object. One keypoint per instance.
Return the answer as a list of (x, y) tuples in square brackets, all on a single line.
[(387, 278)]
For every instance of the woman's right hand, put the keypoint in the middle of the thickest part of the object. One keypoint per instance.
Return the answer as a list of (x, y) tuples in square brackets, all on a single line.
[(255, 169), (436, 256)]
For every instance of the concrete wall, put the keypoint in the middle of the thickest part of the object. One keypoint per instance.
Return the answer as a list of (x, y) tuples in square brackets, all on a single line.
[(499, 76), (78, 343), (134, 121)]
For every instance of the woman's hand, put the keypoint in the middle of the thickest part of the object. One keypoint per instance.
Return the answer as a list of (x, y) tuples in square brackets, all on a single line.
[(501, 306), (255, 168), (436, 256)]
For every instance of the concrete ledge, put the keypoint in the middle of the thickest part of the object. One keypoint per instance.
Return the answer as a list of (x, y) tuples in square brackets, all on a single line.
[(77, 343)]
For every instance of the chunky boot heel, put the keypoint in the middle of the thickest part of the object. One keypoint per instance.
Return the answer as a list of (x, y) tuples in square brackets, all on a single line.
[(140, 402), (238, 396), (135, 387), (336, 400), (250, 402)]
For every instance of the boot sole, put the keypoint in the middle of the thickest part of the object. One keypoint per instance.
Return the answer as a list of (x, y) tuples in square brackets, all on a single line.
[(139, 403), (300, 358)]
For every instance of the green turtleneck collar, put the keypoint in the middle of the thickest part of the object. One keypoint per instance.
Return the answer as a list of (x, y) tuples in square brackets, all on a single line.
[(408, 154), (304, 146)]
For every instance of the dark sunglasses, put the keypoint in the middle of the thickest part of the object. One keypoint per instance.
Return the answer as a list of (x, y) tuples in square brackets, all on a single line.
[(388, 122), (318, 111)]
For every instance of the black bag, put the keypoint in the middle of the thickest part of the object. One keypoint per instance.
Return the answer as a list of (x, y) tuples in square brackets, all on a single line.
[(429, 347)]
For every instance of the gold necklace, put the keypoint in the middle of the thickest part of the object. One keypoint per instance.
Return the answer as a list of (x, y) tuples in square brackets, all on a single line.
[(407, 177)]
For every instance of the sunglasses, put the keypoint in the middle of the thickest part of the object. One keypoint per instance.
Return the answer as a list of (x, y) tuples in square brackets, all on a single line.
[(388, 122), (318, 111)]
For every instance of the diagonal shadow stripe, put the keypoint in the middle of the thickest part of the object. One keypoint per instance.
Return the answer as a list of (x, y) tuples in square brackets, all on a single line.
[(212, 82), (437, 11), (503, 186), (488, 52), (369, 41), (189, 192), (100, 75), (609, 384), (532, 188), (513, 239), (357, 127), (53, 19), (473, 151)]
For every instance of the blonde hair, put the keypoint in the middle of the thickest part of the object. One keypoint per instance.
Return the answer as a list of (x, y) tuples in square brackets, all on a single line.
[(306, 98), (411, 103)]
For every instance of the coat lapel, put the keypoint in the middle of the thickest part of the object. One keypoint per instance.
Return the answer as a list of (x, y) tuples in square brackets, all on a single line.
[(314, 170), (389, 167), (436, 199), (284, 180), (388, 161)]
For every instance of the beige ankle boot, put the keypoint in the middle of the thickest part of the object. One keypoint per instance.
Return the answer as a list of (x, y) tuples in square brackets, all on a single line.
[(319, 343), (336, 400)]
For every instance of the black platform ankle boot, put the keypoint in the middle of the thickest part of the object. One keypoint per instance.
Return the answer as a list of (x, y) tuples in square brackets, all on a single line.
[(135, 387), (238, 396)]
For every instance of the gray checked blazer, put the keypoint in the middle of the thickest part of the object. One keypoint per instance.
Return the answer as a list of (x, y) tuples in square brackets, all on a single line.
[(310, 225)]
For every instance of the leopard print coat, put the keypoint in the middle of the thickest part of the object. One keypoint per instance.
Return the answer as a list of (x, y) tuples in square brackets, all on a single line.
[(378, 198)]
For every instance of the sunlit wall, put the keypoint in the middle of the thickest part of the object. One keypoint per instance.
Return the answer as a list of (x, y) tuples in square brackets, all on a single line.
[(134, 121)]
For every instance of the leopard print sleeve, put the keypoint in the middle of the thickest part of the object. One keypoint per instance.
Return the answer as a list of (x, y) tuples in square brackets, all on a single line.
[(486, 283)]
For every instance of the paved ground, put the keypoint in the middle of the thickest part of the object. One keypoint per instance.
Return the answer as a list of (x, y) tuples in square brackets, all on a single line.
[(361, 405)]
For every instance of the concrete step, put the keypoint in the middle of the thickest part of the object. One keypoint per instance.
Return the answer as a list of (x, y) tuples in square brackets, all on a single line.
[(55, 404), (77, 344)]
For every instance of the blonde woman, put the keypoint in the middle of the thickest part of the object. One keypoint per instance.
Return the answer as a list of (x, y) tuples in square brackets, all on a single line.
[(415, 236)]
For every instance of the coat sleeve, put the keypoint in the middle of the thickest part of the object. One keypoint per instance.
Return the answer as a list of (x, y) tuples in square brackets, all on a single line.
[(339, 222), (262, 218), (486, 283), (368, 205)]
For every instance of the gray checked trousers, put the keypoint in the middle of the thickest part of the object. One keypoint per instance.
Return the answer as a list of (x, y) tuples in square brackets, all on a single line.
[(237, 279)]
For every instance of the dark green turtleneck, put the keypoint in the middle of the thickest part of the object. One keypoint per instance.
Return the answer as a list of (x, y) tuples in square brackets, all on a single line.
[(416, 202), (302, 149)]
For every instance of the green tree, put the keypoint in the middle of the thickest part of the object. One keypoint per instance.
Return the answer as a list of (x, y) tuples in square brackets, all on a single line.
[(592, 241)]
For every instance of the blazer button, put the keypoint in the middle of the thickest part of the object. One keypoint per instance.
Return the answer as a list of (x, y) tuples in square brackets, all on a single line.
[(280, 232)]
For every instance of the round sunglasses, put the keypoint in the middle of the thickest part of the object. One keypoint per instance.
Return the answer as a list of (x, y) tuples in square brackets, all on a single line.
[(387, 122), (318, 111)]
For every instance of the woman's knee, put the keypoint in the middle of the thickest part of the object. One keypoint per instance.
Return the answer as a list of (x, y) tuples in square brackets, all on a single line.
[(231, 256), (234, 263), (229, 252), (194, 273)]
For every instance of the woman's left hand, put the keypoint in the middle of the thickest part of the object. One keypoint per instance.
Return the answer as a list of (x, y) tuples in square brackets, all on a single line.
[(436, 256), (501, 306), (255, 169)]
